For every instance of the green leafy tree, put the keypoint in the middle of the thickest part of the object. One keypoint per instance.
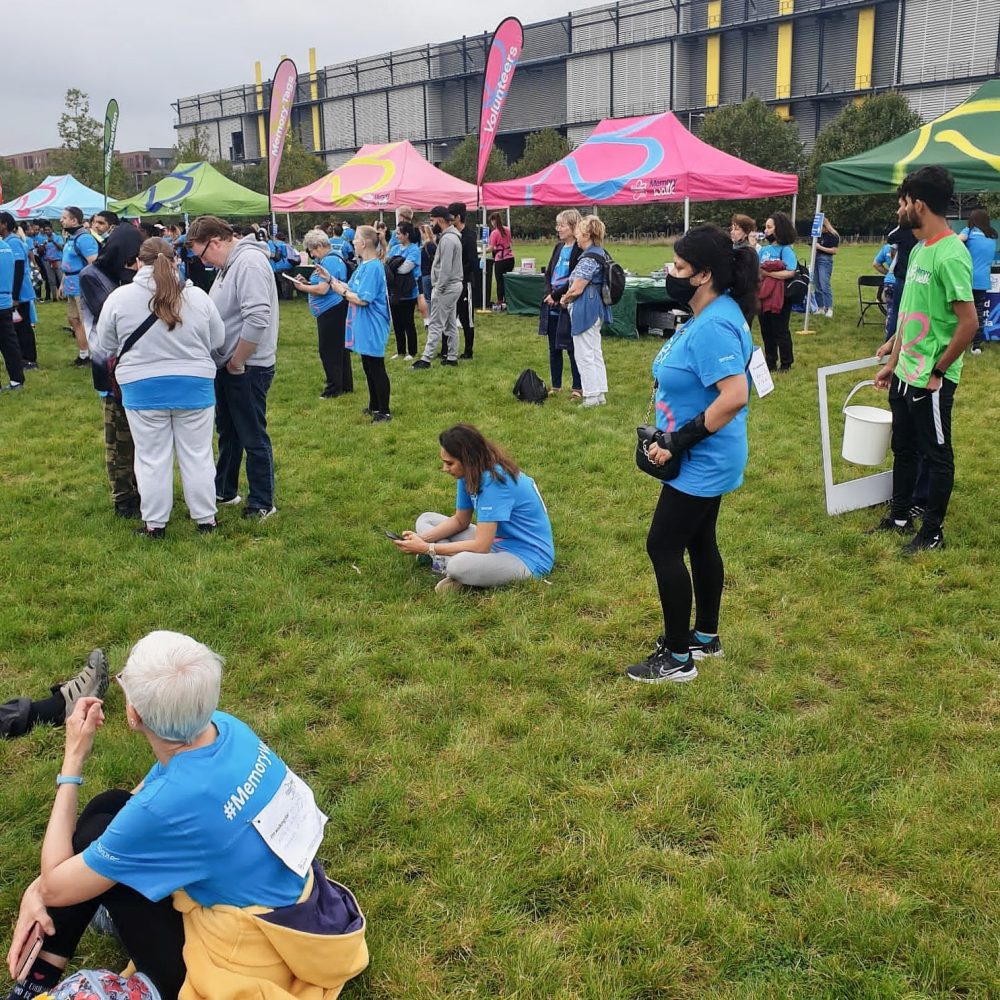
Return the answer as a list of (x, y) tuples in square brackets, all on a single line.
[(82, 152), (464, 160), (857, 129), (756, 134), (17, 182)]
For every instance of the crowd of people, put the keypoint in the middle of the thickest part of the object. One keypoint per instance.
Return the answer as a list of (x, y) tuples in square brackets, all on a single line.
[(185, 359)]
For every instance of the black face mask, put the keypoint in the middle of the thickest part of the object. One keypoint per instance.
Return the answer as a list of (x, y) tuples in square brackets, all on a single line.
[(680, 290), (770, 237), (436, 229)]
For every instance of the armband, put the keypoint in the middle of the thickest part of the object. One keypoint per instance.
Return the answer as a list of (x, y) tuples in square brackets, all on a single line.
[(686, 437), (69, 779)]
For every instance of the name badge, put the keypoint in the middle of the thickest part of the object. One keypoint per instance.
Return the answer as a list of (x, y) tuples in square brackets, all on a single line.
[(292, 825), (759, 373)]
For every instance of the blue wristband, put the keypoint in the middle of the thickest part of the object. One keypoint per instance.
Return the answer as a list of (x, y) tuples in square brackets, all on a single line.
[(69, 779)]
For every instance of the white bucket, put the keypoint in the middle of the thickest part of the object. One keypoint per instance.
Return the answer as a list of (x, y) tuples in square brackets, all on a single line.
[(867, 432)]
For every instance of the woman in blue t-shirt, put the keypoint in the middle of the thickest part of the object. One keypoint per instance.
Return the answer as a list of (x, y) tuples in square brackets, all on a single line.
[(777, 265), (981, 239), (512, 538), (701, 394), (330, 311), (553, 319), (403, 269), (368, 319)]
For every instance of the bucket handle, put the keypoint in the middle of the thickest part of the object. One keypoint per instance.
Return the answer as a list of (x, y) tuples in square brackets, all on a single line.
[(860, 385)]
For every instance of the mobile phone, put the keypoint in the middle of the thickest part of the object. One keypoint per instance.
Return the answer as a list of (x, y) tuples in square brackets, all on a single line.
[(32, 946), (289, 277), (392, 535)]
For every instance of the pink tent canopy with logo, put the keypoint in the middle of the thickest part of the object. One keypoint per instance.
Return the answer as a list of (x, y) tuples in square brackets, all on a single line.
[(631, 161), (379, 176)]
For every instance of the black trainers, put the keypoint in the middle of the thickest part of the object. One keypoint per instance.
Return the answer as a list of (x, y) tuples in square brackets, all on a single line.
[(420, 365), (381, 418), (662, 666), (701, 650), (91, 682), (451, 362), (79, 362), (923, 542), (127, 512), (891, 525), (153, 534), (207, 528), (259, 513)]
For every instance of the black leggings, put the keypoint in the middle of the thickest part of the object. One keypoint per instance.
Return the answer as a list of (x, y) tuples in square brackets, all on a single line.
[(378, 383), (336, 358), (501, 269), (683, 522), (777, 338), (405, 326), (26, 334), (152, 933)]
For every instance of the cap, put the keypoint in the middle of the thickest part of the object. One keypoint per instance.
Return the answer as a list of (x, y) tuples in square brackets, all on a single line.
[(440, 212)]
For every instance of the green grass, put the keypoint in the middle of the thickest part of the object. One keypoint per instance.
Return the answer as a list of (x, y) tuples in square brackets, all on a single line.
[(815, 817)]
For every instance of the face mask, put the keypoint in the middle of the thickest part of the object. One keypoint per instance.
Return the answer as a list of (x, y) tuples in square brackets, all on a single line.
[(770, 237), (436, 229), (680, 290)]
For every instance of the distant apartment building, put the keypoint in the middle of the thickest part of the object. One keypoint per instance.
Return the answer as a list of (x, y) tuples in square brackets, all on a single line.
[(139, 164)]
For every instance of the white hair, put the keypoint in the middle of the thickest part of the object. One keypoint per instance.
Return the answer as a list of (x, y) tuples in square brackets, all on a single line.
[(315, 238), (173, 682)]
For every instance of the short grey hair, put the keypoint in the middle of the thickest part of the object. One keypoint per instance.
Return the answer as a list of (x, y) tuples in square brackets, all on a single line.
[(173, 682), (569, 217), (315, 238)]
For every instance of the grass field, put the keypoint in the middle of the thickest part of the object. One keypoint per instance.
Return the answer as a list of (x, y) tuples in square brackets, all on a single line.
[(815, 817)]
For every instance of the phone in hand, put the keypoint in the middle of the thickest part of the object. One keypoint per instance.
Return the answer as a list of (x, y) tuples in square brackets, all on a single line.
[(392, 535), (32, 946), (289, 277)]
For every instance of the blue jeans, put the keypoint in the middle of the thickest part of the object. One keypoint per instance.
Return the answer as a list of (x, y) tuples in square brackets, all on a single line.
[(556, 355), (241, 420), (822, 289)]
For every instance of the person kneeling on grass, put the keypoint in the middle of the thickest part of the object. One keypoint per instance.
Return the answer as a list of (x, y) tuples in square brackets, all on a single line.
[(220, 824), (512, 539)]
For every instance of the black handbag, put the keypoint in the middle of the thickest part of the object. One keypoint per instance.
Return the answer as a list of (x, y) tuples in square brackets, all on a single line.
[(647, 434)]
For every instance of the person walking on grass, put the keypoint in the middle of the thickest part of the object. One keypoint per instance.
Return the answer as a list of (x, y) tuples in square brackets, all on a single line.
[(446, 287), (368, 319), (512, 538), (702, 392), (937, 321), (167, 381), (244, 293)]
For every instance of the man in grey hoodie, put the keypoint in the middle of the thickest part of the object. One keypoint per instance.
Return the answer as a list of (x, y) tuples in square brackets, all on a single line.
[(245, 295), (446, 286)]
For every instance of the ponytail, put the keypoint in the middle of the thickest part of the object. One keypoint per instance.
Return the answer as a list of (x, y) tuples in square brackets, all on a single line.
[(168, 290), (745, 286)]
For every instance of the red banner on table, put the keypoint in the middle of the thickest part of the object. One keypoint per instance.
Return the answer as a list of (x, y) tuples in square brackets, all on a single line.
[(283, 87), (501, 60)]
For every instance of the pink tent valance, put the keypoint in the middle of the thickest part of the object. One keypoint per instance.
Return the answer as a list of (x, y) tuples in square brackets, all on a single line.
[(379, 176), (632, 161)]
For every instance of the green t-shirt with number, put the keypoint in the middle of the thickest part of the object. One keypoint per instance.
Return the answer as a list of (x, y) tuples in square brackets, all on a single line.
[(939, 273)]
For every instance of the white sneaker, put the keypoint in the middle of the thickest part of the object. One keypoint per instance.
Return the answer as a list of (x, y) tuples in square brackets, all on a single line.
[(446, 584), (593, 401), (231, 502), (976, 350), (829, 314), (409, 357)]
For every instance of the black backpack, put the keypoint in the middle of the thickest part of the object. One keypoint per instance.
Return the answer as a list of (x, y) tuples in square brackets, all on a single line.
[(613, 284), (529, 388), (797, 287)]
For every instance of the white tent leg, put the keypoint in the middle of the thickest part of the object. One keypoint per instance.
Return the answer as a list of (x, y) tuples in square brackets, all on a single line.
[(288, 222), (795, 206), (687, 214), (812, 268)]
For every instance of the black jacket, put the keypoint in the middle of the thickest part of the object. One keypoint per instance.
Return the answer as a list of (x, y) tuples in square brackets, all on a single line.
[(565, 338), (121, 246), (470, 253)]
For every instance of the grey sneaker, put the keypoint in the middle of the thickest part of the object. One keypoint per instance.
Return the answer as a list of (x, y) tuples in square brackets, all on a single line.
[(702, 650), (662, 666), (91, 682)]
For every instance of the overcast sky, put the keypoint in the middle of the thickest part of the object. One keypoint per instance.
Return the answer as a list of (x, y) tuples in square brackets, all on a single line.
[(100, 48)]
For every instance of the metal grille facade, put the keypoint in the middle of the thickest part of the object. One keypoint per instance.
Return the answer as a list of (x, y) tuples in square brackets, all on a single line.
[(634, 57)]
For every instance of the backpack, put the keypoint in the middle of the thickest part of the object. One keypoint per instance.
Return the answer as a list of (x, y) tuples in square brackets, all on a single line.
[(529, 388), (613, 283), (797, 287), (350, 263)]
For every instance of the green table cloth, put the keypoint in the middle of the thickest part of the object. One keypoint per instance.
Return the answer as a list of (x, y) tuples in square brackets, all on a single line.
[(525, 291)]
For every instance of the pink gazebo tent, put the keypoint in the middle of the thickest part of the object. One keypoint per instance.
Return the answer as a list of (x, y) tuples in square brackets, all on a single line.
[(631, 161), (377, 177)]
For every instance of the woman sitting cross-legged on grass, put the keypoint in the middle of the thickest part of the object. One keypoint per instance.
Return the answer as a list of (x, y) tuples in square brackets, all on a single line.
[(512, 539), (210, 893), (702, 391)]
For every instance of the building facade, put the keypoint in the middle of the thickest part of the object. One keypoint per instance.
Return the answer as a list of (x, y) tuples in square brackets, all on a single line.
[(807, 58)]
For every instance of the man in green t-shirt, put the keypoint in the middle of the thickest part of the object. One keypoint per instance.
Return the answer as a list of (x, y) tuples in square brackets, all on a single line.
[(937, 321)]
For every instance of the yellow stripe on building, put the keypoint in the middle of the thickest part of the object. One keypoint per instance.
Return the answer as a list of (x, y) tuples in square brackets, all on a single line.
[(713, 54), (783, 69), (314, 95), (865, 51), (259, 88)]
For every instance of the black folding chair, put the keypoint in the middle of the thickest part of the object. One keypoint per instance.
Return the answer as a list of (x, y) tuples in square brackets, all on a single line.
[(873, 281)]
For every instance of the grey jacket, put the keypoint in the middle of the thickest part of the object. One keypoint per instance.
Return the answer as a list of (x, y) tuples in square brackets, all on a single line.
[(247, 299), (446, 271)]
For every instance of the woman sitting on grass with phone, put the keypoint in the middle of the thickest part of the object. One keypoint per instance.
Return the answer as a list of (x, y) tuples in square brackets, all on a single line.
[(512, 538)]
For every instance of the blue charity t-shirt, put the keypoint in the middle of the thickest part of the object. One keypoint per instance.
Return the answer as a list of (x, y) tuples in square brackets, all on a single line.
[(711, 346), (76, 250), (560, 273), (26, 293), (190, 826), (885, 258), (368, 326), (53, 245), (983, 250), (523, 526), (772, 251), (6, 276), (411, 253), (319, 304)]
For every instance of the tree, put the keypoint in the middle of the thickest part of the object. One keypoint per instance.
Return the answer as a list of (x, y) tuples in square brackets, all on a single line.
[(17, 182), (464, 160), (82, 153), (541, 150), (857, 129), (756, 134), (298, 168)]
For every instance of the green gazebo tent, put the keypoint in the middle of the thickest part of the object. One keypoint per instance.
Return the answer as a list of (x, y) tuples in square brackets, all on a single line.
[(965, 140), (195, 189)]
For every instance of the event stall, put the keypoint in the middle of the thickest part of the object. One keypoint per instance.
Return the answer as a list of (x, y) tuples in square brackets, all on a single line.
[(195, 189), (378, 177), (52, 196)]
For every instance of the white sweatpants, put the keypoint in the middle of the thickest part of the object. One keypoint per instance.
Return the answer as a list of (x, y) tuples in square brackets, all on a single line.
[(476, 569), (157, 435), (590, 361)]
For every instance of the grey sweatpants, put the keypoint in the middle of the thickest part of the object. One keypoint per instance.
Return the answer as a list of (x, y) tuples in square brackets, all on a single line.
[(475, 569), (443, 322)]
